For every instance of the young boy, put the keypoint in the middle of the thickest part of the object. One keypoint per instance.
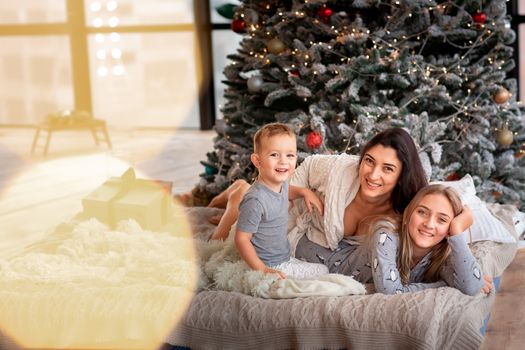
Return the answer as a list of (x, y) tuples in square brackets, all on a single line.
[(261, 236)]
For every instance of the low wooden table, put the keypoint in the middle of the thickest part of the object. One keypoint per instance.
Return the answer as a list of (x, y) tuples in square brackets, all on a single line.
[(97, 127)]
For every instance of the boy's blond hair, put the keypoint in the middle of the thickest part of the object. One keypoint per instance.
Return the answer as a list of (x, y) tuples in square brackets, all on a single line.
[(269, 130)]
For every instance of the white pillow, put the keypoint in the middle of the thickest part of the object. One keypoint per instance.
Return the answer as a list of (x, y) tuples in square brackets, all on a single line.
[(519, 222), (486, 226)]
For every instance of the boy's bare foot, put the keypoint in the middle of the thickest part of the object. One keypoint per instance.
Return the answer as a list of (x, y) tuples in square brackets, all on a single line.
[(184, 198), (215, 219), (218, 201)]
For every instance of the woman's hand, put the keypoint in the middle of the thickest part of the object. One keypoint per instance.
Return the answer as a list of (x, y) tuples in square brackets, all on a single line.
[(281, 274), (461, 222), (487, 286)]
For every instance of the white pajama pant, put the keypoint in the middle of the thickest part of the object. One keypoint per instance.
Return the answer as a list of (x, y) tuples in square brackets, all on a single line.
[(295, 268)]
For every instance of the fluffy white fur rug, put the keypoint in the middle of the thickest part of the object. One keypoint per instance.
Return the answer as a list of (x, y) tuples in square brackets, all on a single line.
[(227, 271)]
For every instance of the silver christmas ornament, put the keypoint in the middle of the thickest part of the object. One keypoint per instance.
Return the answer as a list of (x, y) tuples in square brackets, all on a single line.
[(255, 83)]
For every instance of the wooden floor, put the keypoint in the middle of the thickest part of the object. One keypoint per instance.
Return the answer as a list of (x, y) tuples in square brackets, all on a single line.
[(37, 193)]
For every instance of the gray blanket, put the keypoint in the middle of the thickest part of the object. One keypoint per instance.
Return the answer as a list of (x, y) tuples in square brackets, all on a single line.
[(442, 318)]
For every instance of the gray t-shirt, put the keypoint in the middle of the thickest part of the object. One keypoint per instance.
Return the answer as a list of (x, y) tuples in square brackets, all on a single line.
[(264, 213)]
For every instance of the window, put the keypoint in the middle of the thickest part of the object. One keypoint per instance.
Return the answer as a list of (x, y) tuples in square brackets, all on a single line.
[(131, 62), (224, 42), (518, 18)]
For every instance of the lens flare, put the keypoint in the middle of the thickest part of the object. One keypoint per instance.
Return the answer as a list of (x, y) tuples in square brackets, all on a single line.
[(87, 283)]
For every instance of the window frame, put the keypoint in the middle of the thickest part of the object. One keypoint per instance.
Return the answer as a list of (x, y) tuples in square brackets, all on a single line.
[(77, 31)]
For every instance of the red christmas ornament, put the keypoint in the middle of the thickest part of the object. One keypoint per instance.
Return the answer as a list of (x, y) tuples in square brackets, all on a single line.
[(479, 17), (314, 139), (453, 177), (238, 25), (295, 73), (325, 13)]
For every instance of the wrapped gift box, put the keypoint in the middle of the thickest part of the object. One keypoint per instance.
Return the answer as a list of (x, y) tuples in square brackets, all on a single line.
[(145, 202), (126, 197), (98, 204)]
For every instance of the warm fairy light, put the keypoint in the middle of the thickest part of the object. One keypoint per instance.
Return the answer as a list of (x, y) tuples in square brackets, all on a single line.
[(97, 22), (95, 6), (101, 54), (116, 53), (102, 71), (111, 6), (114, 37), (118, 69)]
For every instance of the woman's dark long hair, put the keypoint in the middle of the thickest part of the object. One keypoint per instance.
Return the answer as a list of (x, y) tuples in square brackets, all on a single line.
[(413, 176)]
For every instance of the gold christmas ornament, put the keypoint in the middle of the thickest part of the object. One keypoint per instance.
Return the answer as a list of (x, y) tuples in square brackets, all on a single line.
[(502, 96), (276, 46), (504, 137)]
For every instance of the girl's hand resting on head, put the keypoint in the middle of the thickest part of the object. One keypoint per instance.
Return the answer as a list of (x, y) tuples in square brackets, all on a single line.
[(281, 274), (487, 286), (461, 222)]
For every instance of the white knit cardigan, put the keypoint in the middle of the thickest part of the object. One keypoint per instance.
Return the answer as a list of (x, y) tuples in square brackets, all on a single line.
[(335, 180)]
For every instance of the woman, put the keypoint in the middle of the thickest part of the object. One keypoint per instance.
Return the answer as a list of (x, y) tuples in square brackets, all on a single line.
[(430, 250)]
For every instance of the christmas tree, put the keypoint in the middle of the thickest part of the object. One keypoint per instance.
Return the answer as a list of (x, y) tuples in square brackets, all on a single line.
[(340, 71)]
